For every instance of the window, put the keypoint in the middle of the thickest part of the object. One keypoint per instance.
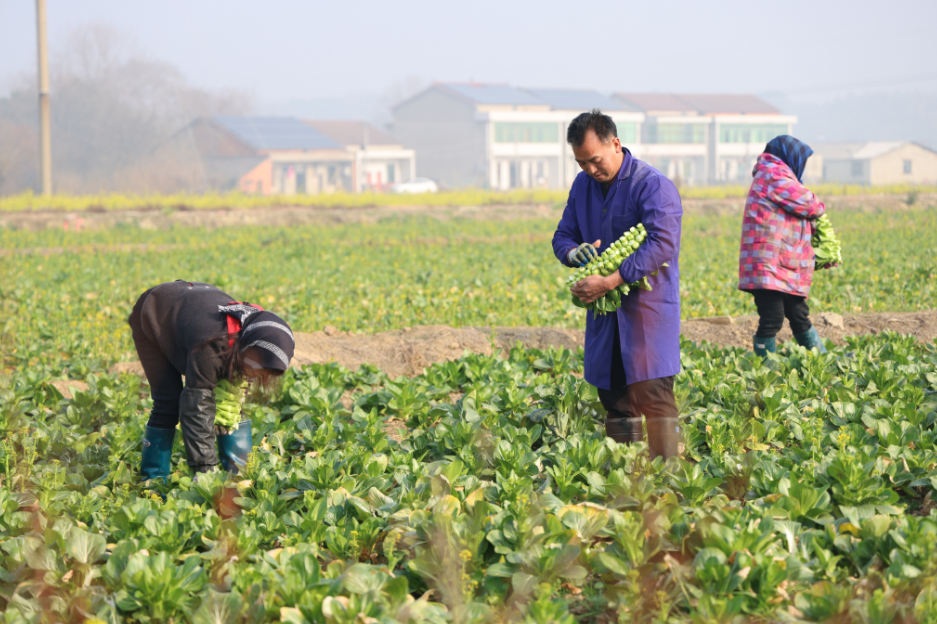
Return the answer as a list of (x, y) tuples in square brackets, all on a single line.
[(907, 166), (627, 132), (390, 173), (526, 132), (857, 168), (676, 133), (750, 133)]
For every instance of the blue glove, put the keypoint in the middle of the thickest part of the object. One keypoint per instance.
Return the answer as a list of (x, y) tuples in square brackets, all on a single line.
[(582, 255)]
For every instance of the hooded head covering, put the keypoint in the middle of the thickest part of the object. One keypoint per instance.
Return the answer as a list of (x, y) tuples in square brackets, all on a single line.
[(792, 151), (270, 338)]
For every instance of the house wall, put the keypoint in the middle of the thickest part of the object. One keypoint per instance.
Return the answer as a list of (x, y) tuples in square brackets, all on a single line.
[(846, 171), (259, 180), (736, 141), (312, 171), (889, 168), (813, 170), (528, 148), (378, 169), (448, 141)]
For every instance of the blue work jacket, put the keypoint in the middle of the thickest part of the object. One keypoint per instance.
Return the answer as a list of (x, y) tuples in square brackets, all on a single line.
[(648, 321)]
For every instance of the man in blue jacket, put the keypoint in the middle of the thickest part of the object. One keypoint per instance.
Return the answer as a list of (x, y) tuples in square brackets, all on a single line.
[(633, 355)]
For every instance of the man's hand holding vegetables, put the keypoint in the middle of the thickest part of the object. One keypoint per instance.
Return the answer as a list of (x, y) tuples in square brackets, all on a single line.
[(633, 354), (594, 286)]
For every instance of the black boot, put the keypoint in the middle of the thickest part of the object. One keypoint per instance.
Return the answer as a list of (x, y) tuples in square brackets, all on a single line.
[(663, 437), (624, 430)]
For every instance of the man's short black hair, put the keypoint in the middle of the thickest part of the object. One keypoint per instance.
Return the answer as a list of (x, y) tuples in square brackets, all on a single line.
[(601, 124)]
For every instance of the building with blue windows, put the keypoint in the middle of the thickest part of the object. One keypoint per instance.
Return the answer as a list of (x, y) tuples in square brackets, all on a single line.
[(498, 136), (705, 138), (503, 137)]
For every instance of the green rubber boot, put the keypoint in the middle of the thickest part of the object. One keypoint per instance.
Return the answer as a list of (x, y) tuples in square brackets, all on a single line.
[(764, 346), (810, 339), (156, 458), (234, 447)]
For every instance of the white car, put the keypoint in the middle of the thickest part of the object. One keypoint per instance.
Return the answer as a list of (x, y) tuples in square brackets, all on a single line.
[(416, 185)]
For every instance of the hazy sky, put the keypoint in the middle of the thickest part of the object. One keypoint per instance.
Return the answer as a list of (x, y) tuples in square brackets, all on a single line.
[(282, 50)]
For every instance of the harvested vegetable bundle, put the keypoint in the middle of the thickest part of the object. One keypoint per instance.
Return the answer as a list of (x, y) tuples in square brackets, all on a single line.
[(606, 264), (228, 400), (826, 247)]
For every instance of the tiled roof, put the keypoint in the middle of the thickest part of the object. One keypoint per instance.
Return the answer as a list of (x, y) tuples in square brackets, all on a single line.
[(877, 148), (276, 133), (655, 102), (575, 99), (351, 132), (716, 103), (493, 93), (701, 103), (855, 151)]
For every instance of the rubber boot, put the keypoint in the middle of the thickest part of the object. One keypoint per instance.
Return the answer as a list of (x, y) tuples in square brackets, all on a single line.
[(234, 447), (810, 339), (663, 437), (156, 458), (624, 430), (764, 346)]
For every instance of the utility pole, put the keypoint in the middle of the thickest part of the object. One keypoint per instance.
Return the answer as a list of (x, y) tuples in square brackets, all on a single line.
[(45, 131)]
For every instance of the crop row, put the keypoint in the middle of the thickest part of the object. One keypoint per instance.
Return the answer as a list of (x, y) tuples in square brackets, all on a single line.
[(68, 310), (804, 494), (464, 197)]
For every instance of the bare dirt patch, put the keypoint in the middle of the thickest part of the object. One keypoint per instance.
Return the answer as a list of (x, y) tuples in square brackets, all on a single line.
[(408, 351), (286, 216), (70, 386), (738, 331), (274, 216)]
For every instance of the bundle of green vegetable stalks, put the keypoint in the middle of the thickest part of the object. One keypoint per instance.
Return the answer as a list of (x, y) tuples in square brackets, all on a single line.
[(228, 400), (826, 247), (606, 264)]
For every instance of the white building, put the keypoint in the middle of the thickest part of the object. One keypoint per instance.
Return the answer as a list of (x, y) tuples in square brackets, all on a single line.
[(379, 159), (501, 137), (877, 162), (705, 138)]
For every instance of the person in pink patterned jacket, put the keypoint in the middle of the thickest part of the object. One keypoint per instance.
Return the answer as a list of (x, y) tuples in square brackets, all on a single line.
[(776, 260)]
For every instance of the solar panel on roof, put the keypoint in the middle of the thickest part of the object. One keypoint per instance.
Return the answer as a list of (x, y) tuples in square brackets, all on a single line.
[(272, 133)]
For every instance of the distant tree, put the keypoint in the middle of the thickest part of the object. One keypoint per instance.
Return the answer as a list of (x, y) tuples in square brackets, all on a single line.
[(112, 108), (403, 89)]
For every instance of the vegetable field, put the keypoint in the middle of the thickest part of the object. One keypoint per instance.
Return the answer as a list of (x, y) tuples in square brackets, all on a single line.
[(68, 310), (483, 490), (805, 495)]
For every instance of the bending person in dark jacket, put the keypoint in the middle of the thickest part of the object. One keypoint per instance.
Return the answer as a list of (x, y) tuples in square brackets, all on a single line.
[(196, 330)]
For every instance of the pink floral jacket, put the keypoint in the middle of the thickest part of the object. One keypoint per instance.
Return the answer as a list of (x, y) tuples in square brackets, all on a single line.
[(776, 253)]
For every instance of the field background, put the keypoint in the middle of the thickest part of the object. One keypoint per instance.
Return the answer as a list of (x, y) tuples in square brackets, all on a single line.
[(468, 197), (65, 295), (477, 489)]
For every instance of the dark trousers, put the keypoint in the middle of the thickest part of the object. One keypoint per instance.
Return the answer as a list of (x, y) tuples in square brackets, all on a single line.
[(652, 398), (773, 306), (165, 381)]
